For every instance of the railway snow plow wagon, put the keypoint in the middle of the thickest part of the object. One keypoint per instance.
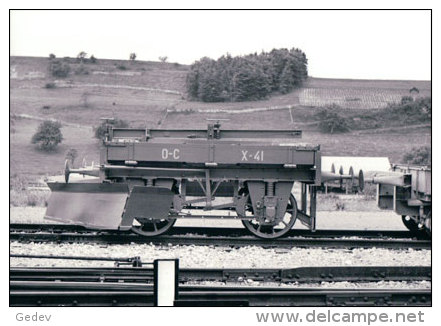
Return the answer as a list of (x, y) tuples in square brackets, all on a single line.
[(148, 178)]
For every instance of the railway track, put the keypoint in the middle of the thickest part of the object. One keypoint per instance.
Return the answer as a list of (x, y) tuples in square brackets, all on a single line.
[(219, 296), (230, 237), (133, 287), (215, 231), (286, 275)]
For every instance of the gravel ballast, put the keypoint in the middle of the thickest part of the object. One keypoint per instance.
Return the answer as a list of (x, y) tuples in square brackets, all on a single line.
[(246, 257), (218, 257)]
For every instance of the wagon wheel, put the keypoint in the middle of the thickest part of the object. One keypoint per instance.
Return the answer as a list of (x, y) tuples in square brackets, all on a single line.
[(429, 224), (152, 227), (272, 230), (412, 226)]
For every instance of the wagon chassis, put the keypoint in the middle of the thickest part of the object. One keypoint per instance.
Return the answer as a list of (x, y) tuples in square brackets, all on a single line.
[(148, 177), (209, 183)]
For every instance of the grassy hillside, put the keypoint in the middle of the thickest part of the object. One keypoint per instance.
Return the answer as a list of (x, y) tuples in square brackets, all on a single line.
[(144, 93)]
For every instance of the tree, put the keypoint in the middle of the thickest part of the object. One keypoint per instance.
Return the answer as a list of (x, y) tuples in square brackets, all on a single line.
[(132, 56), (250, 82), (48, 135), (286, 80), (71, 155), (81, 56), (101, 130), (245, 78), (192, 81), (163, 59), (51, 56)]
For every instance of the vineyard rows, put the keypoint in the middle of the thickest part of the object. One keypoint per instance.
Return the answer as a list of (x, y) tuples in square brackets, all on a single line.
[(350, 98)]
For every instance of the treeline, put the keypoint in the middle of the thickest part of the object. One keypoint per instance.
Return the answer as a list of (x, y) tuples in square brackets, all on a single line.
[(245, 78)]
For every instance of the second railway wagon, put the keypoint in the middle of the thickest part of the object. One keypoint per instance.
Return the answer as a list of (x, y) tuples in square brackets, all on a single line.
[(149, 178), (408, 191)]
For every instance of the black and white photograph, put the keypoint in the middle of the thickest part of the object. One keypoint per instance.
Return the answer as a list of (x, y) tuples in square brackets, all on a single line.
[(221, 158)]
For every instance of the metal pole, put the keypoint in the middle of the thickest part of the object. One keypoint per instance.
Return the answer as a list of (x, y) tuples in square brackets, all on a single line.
[(313, 206), (208, 187), (304, 197)]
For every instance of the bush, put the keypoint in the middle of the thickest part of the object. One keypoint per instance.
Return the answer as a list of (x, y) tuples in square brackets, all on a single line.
[(418, 156), (48, 135), (100, 131), (121, 67), (50, 85), (28, 198), (81, 70), (71, 155), (369, 191), (18, 182), (20, 194), (331, 121), (411, 111), (406, 99), (59, 69), (340, 206), (407, 112)]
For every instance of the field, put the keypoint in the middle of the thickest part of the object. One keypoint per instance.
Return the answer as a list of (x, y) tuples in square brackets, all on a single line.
[(152, 94)]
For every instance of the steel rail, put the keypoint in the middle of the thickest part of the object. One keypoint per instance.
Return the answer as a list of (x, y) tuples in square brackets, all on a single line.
[(221, 241), (115, 259), (134, 261), (304, 297), (227, 275), (224, 231), (221, 296)]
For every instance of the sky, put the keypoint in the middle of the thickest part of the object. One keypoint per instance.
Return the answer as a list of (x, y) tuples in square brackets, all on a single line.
[(338, 44)]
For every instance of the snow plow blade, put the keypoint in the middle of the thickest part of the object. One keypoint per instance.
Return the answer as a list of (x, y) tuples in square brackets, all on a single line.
[(93, 205), (147, 203)]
